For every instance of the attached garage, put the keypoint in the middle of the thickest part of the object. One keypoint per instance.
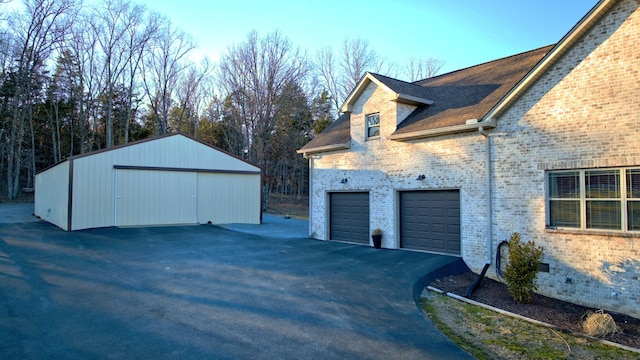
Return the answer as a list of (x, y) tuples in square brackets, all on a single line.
[(349, 217), (430, 221), (167, 180)]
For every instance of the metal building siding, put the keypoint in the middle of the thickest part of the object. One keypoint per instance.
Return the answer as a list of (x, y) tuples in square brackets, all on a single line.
[(93, 192), (229, 198), (52, 194), (94, 176)]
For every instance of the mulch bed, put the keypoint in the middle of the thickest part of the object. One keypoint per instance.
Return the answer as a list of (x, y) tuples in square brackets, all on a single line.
[(563, 314)]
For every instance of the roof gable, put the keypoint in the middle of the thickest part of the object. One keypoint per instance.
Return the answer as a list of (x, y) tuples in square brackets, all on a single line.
[(149, 140), (398, 90)]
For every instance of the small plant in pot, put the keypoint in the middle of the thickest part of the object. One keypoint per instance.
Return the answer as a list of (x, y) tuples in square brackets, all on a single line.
[(376, 236)]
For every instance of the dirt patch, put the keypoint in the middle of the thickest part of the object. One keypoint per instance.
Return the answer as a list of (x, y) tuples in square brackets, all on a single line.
[(563, 314), (23, 197), (296, 207)]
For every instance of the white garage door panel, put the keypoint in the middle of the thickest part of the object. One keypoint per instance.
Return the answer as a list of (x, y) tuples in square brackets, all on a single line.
[(155, 197), (228, 198)]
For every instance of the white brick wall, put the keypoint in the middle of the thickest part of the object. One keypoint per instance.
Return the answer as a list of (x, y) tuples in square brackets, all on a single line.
[(384, 167), (584, 113)]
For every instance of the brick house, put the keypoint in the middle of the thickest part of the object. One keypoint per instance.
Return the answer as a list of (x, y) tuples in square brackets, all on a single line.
[(545, 143)]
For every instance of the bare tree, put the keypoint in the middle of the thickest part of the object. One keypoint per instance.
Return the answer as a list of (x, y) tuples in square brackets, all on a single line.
[(195, 91), (38, 30), (342, 74), (327, 68), (419, 69), (357, 58), (164, 63), (84, 50), (139, 36), (253, 74), (115, 24)]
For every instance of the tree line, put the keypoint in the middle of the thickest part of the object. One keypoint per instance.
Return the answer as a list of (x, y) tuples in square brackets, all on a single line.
[(80, 77)]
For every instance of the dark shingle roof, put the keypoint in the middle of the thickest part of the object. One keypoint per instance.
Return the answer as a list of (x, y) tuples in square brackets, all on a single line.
[(469, 93), (457, 96), (336, 134), (403, 87)]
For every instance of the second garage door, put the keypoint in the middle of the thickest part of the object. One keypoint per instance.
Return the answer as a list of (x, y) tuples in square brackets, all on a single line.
[(430, 221), (349, 217), (155, 197)]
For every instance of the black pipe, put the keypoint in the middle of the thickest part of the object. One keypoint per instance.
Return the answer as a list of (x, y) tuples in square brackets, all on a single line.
[(475, 284), (499, 258)]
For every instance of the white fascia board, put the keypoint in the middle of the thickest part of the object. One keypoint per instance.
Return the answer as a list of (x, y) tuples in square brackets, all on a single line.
[(409, 99), (326, 148), (444, 131), (347, 106)]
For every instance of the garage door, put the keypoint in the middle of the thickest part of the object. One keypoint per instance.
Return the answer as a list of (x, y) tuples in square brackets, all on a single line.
[(349, 217), (155, 197), (430, 221)]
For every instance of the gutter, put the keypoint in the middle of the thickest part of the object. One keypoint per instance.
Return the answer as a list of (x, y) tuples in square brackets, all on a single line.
[(325, 148), (470, 125)]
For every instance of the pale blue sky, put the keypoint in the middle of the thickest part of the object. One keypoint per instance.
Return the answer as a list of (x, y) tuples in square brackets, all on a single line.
[(460, 32)]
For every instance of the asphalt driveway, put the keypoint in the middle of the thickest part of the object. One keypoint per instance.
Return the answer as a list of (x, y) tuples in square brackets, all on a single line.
[(206, 292)]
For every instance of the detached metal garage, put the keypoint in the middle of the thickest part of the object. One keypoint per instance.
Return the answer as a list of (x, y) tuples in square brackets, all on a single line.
[(166, 180)]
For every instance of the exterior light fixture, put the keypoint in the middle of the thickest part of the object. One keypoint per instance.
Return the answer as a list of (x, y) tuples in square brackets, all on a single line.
[(421, 177)]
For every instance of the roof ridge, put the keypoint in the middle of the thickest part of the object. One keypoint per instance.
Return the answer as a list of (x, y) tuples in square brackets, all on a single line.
[(389, 77), (417, 82)]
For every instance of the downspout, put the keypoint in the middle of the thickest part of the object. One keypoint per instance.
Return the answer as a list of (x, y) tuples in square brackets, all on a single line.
[(487, 190), (489, 227), (310, 157)]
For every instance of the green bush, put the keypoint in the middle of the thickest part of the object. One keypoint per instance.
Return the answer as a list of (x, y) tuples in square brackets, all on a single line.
[(522, 269)]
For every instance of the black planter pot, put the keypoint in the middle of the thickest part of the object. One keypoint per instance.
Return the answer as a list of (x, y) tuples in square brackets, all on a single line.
[(377, 241)]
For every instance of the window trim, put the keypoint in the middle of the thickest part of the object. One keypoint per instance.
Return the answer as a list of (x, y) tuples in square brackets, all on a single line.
[(624, 199), (367, 127)]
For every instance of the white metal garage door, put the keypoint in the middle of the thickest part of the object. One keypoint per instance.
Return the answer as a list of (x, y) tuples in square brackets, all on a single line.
[(430, 221), (349, 217), (153, 197)]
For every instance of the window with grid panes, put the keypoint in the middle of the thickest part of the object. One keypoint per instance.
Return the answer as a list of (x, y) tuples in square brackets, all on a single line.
[(373, 125), (599, 199)]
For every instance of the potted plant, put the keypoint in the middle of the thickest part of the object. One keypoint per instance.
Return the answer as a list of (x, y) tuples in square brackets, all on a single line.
[(376, 236)]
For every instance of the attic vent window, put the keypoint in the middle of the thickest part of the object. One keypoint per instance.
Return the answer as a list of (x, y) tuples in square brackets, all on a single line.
[(373, 125)]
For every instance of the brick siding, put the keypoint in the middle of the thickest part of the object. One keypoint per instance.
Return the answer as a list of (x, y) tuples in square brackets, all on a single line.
[(583, 113)]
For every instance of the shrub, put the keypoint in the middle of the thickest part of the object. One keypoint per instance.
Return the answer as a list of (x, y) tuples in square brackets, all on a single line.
[(522, 270)]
